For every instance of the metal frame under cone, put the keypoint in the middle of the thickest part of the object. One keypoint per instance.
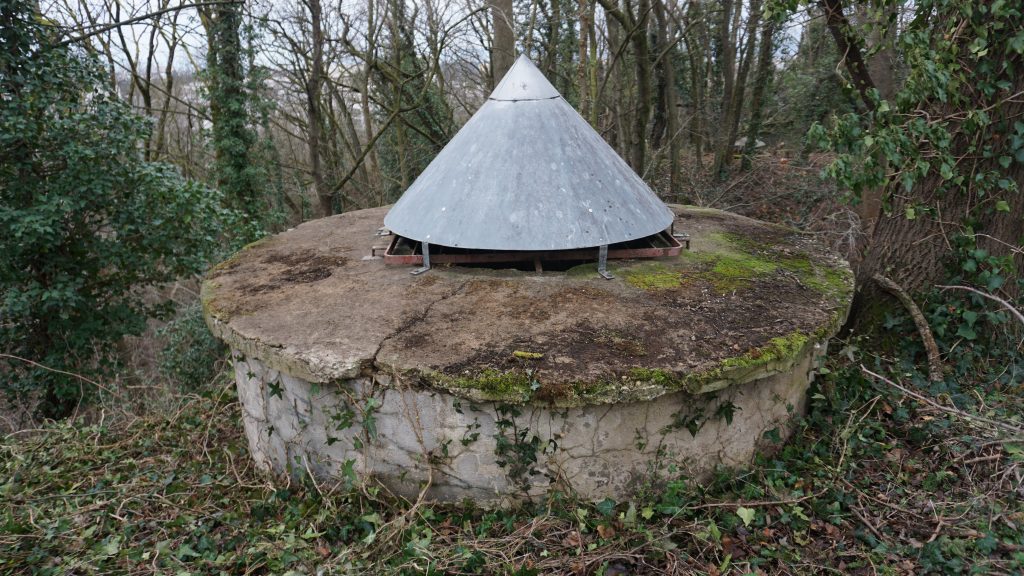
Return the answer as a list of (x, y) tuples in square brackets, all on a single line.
[(527, 172), (403, 251)]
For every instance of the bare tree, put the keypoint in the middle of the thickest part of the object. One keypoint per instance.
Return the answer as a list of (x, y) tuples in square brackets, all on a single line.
[(503, 48)]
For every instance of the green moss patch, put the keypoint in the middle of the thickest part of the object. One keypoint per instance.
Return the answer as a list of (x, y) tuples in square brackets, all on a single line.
[(653, 276), (490, 384), (778, 351), (732, 263), (734, 271)]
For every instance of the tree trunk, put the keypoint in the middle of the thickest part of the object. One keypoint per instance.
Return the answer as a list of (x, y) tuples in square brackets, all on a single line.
[(880, 70), (503, 47), (582, 85), (550, 63), (850, 47), (696, 48), (372, 163), (667, 52), (765, 69), (592, 62), (314, 87), (908, 244), (659, 123), (635, 26), (727, 65), (753, 19), (643, 86), (233, 138)]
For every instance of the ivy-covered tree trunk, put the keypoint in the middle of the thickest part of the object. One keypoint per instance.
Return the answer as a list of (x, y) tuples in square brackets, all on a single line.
[(947, 150), (915, 240), (233, 138)]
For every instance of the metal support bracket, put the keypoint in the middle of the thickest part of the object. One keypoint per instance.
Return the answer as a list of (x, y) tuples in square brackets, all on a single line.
[(683, 238), (602, 263), (426, 260), (376, 253)]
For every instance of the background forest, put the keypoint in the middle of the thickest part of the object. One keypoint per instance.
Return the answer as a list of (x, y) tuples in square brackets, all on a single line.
[(142, 141)]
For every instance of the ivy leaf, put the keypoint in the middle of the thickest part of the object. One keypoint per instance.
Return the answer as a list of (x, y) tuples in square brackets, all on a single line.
[(110, 546), (967, 332), (907, 180), (911, 213), (746, 514), (1002, 206), (970, 317), (1005, 161), (186, 551), (995, 282), (606, 506), (1017, 43)]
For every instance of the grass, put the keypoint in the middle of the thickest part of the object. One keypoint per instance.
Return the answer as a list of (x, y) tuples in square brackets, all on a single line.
[(873, 481)]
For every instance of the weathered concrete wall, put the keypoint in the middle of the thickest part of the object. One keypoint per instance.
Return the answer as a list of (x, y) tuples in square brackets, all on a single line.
[(407, 438)]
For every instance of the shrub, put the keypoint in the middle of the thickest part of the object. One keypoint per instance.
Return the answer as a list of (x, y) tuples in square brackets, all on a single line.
[(87, 222)]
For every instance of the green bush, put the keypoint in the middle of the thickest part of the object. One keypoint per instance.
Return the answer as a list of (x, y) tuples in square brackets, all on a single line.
[(87, 222)]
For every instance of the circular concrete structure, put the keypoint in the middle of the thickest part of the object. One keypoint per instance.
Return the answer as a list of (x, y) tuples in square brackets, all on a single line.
[(493, 384)]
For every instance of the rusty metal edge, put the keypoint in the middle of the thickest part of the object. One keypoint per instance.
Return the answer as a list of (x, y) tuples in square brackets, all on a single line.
[(674, 249)]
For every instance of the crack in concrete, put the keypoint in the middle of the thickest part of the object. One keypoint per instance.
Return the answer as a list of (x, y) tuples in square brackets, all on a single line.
[(412, 321)]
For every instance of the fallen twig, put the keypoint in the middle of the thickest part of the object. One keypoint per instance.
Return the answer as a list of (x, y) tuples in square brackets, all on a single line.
[(1013, 310), (952, 411), (934, 360), (55, 370), (867, 523)]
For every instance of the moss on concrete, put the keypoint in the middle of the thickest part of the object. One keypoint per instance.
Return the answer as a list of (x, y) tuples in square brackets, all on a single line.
[(513, 386), (731, 262), (235, 258), (780, 349), (653, 276), (734, 271), (736, 260), (208, 288), (776, 354), (830, 281)]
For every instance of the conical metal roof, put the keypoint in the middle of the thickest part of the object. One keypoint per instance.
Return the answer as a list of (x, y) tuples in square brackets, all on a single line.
[(527, 172)]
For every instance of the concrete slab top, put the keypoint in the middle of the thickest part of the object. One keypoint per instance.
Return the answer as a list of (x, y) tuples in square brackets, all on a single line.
[(745, 301)]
